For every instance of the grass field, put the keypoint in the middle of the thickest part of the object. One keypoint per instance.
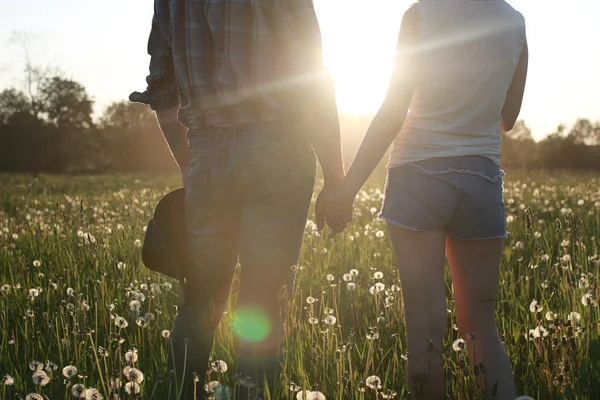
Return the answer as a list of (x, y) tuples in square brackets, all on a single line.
[(73, 293)]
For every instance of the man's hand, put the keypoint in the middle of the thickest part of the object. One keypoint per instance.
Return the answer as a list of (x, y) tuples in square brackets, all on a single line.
[(333, 207)]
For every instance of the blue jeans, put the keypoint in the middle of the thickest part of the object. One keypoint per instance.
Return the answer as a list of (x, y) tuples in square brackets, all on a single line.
[(248, 195), (462, 195)]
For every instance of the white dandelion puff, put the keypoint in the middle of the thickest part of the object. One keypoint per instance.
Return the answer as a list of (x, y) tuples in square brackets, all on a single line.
[(219, 366), (40, 378)]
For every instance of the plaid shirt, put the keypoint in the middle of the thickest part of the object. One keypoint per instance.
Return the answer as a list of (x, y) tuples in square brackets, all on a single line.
[(229, 62)]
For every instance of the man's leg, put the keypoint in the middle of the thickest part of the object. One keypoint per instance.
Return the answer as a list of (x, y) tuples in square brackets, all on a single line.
[(213, 229), (278, 191)]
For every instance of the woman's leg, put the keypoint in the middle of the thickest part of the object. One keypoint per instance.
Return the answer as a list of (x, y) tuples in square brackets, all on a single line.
[(475, 268), (420, 257)]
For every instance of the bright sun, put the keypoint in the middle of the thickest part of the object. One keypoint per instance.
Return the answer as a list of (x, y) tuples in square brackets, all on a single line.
[(358, 44)]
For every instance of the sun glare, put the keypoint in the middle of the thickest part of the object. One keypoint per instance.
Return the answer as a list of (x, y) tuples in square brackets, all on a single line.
[(358, 46)]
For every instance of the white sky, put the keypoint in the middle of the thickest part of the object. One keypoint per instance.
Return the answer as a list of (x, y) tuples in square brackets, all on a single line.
[(102, 44)]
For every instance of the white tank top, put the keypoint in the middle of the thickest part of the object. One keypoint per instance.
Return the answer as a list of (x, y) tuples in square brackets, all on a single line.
[(470, 50)]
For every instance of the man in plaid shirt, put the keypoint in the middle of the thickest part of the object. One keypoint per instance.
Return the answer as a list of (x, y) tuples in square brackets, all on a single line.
[(244, 102)]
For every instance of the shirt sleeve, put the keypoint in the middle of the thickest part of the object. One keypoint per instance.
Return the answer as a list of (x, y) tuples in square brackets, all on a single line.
[(317, 82), (161, 92)]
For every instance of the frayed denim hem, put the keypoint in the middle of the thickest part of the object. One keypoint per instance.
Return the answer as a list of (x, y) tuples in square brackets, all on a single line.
[(496, 178), (479, 239)]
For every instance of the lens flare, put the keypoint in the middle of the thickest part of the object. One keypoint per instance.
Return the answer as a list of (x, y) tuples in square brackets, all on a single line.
[(251, 324)]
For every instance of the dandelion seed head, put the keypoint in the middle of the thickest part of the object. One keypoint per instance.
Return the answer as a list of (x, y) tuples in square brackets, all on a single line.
[(373, 382), (535, 307), (132, 388), (40, 378), (131, 356), (219, 366), (8, 380)]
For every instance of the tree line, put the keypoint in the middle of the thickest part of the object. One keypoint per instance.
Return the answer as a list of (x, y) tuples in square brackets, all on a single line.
[(47, 126)]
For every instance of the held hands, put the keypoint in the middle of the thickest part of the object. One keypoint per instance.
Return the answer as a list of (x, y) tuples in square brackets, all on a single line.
[(334, 207)]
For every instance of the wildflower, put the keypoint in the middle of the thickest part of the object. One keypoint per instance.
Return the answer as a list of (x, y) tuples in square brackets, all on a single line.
[(303, 394), (534, 307), (166, 333), (92, 394), (219, 366), (134, 375), (70, 292), (211, 387), (34, 293), (330, 277), (35, 365), (132, 388), (588, 301), (131, 356), (373, 382), (378, 275), (8, 380), (459, 344), (315, 396), (354, 272), (373, 335), (134, 306), (40, 378), (330, 320), (115, 384), (310, 300), (313, 320), (36, 263), (351, 286), (121, 322), (379, 234), (575, 318), (121, 265), (550, 316), (78, 391), (5, 288), (51, 367), (347, 277), (34, 396)]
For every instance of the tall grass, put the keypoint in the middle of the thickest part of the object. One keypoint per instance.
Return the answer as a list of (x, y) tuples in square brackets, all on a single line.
[(73, 292)]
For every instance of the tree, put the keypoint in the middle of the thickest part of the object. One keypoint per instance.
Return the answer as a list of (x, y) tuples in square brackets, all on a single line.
[(584, 132), (66, 103), (14, 107), (520, 131), (124, 115)]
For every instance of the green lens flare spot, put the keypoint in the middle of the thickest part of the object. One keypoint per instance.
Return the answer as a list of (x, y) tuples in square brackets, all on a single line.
[(251, 324)]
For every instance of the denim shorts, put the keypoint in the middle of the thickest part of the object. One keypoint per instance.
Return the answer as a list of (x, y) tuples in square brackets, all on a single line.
[(461, 195)]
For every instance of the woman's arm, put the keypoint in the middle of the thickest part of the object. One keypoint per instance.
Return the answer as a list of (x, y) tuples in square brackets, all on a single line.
[(514, 97), (389, 120)]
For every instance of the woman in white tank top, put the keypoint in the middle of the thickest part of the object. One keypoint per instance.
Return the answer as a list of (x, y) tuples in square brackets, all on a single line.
[(458, 81)]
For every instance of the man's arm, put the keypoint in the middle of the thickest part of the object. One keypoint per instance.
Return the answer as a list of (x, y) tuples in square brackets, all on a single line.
[(319, 102), (161, 93)]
